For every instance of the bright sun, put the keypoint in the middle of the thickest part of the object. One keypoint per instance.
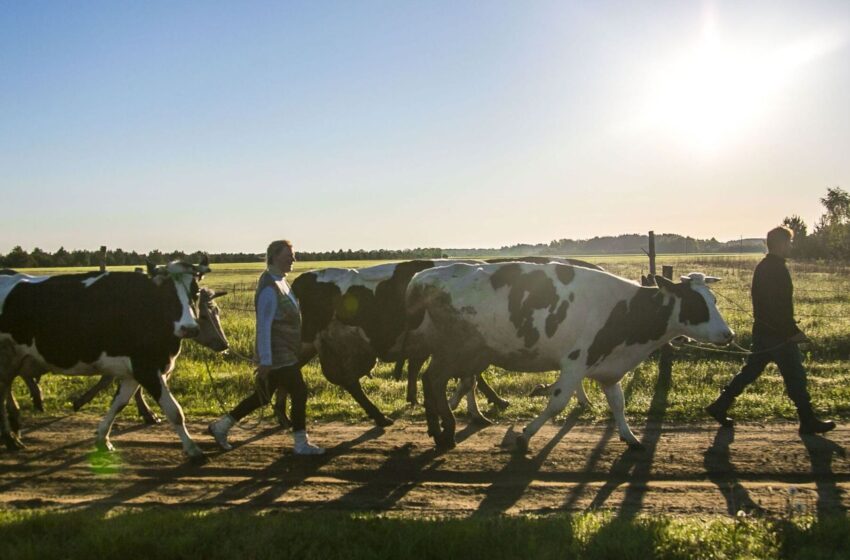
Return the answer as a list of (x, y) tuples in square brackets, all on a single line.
[(712, 95)]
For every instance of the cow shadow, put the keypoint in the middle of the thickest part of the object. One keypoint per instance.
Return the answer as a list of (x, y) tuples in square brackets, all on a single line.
[(515, 477), (821, 453), (634, 466), (721, 471), (287, 472)]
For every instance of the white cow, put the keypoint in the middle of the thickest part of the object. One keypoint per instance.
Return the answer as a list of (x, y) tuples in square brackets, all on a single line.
[(540, 317)]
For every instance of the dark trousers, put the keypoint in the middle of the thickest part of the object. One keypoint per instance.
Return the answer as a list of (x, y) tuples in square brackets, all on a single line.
[(288, 378), (788, 359)]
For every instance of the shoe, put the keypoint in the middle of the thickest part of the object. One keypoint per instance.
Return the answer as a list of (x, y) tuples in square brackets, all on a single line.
[(812, 426), (303, 445), (219, 429), (717, 410)]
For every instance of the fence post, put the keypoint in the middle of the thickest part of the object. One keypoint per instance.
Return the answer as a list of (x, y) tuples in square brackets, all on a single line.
[(102, 258), (665, 358)]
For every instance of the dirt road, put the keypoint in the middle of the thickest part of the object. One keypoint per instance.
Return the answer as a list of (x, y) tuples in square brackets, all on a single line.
[(689, 469)]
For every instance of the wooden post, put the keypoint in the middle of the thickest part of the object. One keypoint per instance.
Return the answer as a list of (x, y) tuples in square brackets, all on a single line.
[(665, 358), (103, 258), (649, 279)]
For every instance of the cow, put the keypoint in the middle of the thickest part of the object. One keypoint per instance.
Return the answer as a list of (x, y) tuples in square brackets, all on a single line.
[(352, 317), (123, 324), (531, 317), (211, 336)]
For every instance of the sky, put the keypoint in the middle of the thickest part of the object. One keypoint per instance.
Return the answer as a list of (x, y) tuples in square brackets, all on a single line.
[(220, 126)]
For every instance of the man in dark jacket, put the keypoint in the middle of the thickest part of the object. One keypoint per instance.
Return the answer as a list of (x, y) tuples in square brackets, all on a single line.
[(775, 337)]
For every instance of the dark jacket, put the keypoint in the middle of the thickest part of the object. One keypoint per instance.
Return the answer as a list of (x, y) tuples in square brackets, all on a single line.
[(773, 299)]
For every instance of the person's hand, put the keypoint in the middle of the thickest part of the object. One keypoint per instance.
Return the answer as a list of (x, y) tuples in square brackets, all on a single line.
[(800, 338)]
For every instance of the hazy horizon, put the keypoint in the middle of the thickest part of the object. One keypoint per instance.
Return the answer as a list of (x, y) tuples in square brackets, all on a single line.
[(376, 125)]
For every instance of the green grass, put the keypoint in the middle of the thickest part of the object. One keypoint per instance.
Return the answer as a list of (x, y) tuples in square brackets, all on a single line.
[(163, 534), (822, 303)]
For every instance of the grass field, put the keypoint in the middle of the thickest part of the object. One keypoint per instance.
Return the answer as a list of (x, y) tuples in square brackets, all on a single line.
[(822, 305), (320, 535), (823, 308)]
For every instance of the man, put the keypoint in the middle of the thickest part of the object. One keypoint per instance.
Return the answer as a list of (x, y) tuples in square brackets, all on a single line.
[(775, 337), (278, 347)]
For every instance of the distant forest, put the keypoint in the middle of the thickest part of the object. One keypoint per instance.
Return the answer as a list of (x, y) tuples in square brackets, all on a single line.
[(621, 244)]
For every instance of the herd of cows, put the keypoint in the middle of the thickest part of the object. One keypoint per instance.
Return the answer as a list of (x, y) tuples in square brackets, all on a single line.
[(524, 315)]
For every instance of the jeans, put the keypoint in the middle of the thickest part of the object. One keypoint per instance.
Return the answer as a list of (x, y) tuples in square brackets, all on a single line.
[(789, 360), (291, 380)]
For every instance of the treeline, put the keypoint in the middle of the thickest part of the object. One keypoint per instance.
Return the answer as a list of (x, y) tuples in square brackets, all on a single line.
[(19, 258), (830, 238), (621, 244)]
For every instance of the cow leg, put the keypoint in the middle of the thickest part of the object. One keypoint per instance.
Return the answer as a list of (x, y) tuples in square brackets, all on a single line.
[(35, 392), (465, 387), (617, 402), (398, 370), (431, 418), (581, 396), (562, 390), (280, 408), (145, 411), (125, 391), (82, 400), (158, 388), (475, 413), (356, 391), (492, 396), (414, 365), (447, 417), (14, 414), (7, 432)]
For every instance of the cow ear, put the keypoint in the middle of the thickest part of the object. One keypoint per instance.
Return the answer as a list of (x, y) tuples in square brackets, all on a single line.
[(665, 284), (151, 268), (711, 279), (205, 261)]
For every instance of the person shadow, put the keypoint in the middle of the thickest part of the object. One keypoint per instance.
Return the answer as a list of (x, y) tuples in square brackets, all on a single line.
[(821, 453), (720, 470)]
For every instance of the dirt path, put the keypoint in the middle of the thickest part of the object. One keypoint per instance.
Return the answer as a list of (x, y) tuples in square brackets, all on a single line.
[(691, 469)]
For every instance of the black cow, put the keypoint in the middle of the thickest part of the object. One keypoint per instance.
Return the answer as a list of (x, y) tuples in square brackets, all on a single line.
[(122, 324), (212, 336)]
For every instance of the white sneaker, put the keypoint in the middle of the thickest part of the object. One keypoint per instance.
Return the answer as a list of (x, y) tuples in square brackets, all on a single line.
[(303, 445), (218, 430)]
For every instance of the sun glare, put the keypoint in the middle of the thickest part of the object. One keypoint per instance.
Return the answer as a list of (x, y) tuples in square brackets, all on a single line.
[(712, 95)]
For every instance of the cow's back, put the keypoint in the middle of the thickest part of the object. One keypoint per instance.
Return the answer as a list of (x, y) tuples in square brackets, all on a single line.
[(75, 318), (519, 310)]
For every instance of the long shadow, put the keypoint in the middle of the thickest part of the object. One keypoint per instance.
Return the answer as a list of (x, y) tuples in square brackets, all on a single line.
[(633, 465), (596, 454), (381, 493), (721, 472), (276, 479), (821, 451), (515, 477)]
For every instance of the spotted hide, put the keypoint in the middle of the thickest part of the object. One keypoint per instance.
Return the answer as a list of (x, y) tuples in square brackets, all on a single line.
[(123, 324), (540, 317)]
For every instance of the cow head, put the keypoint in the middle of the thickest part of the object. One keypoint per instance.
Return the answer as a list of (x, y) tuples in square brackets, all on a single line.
[(183, 277), (698, 316), (211, 335)]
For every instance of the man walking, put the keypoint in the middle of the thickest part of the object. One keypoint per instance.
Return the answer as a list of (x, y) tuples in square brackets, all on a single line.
[(775, 337)]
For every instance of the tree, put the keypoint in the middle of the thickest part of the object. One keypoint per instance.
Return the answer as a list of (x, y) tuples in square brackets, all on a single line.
[(797, 225), (837, 204)]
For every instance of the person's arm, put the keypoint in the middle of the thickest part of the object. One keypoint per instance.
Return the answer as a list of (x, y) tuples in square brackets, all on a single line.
[(266, 309)]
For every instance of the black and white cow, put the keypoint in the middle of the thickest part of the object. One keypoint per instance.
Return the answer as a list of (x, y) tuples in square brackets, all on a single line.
[(528, 317), (122, 324), (211, 336), (353, 317)]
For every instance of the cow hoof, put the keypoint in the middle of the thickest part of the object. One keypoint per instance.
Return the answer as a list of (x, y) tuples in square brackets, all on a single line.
[(412, 402), (539, 390), (635, 445), (383, 422), (445, 443), (151, 420), (198, 460), (13, 443), (522, 444), (104, 446), (76, 405), (501, 404), (481, 421)]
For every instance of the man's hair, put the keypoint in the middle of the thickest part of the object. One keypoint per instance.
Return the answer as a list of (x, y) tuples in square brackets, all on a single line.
[(779, 235), (276, 247)]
